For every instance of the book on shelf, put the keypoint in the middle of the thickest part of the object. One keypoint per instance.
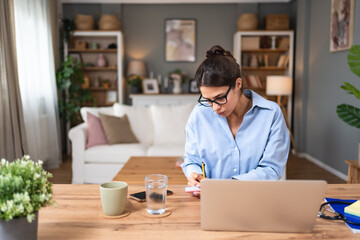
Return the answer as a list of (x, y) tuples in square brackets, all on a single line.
[(253, 81), (283, 60)]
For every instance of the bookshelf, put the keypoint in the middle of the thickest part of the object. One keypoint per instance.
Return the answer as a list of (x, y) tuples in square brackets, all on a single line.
[(112, 73), (261, 53)]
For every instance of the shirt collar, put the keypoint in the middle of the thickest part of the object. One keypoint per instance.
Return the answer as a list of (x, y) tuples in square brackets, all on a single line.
[(257, 100)]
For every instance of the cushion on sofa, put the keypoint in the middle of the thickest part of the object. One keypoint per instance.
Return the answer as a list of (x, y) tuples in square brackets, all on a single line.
[(140, 121), (117, 153), (96, 135), (95, 111), (169, 123), (117, 129)]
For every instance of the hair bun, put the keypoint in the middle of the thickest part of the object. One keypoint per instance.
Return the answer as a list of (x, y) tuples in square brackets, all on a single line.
[(217, 50)]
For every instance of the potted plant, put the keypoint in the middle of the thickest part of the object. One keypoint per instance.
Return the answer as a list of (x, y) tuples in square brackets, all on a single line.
[(346, 112), (24, 189), (106, 83), (72, 96), (135, 82)]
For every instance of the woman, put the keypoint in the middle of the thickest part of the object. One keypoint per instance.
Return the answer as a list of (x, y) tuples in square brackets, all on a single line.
[(236, 133)]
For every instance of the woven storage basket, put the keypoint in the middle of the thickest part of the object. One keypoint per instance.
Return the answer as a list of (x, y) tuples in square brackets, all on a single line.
[(84, 22), (277, 22), (247, 21), (109, 22)]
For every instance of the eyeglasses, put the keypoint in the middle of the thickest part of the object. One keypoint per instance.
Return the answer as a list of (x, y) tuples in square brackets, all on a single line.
[(219, 100)]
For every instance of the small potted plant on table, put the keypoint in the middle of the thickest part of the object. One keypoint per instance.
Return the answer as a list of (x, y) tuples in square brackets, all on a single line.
[(24, 189)]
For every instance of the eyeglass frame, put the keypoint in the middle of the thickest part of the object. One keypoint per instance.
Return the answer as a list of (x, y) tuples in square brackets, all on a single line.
[(214, 101)]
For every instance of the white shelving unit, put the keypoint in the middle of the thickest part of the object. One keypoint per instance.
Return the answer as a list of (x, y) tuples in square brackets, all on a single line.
[(273, 55), (103, 38)]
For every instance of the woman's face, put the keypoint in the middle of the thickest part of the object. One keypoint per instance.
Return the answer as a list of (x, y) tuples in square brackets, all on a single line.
[(218, 94)]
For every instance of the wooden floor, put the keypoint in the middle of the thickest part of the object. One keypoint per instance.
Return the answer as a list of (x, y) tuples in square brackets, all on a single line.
[(297, 168)]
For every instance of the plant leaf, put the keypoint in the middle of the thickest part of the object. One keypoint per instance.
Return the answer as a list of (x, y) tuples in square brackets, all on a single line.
[(354, 59), (351, 89), (349, 114)]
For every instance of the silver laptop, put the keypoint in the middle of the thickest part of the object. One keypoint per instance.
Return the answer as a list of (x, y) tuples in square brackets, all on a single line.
[(261, 206)]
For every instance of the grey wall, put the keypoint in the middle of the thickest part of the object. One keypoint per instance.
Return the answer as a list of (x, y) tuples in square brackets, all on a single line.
[(144, 32), (319, 75), (143, 27)]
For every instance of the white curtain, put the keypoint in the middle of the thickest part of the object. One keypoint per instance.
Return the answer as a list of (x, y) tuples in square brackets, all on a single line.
[(37, 80)]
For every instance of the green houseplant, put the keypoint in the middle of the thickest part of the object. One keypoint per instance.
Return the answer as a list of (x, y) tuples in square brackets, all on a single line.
[(72, 96), (24, 189), (135, 82), (346, 112)]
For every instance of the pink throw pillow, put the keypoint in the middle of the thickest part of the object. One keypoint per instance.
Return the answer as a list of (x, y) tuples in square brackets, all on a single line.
[(96, 135)]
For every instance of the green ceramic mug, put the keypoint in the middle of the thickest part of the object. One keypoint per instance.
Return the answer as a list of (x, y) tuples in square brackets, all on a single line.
[(113, 197)]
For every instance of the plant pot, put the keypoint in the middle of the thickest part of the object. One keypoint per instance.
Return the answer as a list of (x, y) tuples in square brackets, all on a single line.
[(135, 89), (19, 228), (177, 87)]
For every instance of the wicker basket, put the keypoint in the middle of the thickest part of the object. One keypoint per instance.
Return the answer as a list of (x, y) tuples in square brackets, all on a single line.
[(109, 22), (247, 21), (277, 22), (84, 22)]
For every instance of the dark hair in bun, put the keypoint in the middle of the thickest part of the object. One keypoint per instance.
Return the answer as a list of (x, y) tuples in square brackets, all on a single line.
[(218, 69)]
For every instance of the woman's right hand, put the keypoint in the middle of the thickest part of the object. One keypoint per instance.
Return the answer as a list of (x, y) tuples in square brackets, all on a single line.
[(194, 181)]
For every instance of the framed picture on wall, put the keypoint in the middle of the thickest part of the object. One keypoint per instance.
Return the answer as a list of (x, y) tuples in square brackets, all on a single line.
[(341, 25), (180, 40)]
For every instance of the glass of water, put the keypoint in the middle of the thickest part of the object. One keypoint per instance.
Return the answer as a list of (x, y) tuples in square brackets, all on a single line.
[(156, 188)]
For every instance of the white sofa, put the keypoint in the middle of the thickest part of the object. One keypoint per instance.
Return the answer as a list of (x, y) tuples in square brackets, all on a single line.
[(159, 129)]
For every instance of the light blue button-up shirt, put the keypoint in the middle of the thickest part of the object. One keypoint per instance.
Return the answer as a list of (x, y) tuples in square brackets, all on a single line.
[(258, 152)]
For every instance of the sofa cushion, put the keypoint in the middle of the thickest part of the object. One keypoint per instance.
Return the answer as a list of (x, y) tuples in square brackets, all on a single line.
[(171, 150), (96, 135), (118, 153), (169, 123), (140, 121), (95, 111), (117, 129)]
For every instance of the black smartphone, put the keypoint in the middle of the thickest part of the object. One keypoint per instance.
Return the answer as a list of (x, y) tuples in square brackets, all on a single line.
[(141, 196)]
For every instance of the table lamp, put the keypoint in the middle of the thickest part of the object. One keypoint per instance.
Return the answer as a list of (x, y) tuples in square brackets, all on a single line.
[(136, 67), (281, 86)]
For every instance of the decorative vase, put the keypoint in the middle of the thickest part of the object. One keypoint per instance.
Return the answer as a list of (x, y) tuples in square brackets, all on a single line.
[(101, 61), (19, 228), (177, 86)]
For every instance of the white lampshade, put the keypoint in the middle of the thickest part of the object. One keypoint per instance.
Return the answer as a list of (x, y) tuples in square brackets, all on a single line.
[(136, 67), (278, 85)]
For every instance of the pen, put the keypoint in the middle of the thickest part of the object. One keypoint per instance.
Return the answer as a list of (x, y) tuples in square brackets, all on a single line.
[(203, 169)]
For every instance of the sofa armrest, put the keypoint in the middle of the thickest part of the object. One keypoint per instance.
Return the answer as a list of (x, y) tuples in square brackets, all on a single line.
[(78, 136)]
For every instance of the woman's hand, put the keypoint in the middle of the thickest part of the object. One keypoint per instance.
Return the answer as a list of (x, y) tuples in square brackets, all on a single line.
[(194, 181)]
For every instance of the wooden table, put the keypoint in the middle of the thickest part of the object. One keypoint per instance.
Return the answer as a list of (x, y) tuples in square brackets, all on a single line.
[(78, 215), (137, 168)]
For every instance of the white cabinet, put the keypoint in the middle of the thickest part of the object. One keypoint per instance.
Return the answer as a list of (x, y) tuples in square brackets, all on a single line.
[(112, 73), (145, 100)]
